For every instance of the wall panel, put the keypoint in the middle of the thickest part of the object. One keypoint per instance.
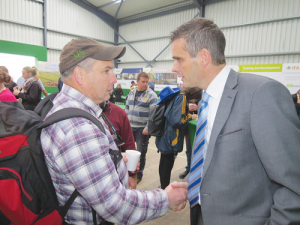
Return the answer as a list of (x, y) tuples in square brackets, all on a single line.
[(66, 16)]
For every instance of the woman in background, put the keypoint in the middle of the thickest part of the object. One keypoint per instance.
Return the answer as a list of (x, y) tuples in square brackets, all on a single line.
[(118, 92), (31, 91), (11, 84), (5, 94)]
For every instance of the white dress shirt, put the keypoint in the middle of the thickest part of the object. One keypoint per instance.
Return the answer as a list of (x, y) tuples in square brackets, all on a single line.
[(215, 91)]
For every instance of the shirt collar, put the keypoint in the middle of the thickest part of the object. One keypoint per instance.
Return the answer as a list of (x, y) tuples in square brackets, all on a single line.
[(216, 87), (86, 101)]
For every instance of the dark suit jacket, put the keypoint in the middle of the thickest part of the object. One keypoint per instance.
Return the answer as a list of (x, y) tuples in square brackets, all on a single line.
[(251, 171)]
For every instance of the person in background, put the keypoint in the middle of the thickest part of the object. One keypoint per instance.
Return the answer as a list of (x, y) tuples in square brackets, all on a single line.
[(193, 96), (137, 108), (31, 91), (60, 83), (121, 127), (133, 84), (11, 84), (21, 81), (245, 163), (296, 99), (171, 142), (5, 94), (118, 92), (77, 151)]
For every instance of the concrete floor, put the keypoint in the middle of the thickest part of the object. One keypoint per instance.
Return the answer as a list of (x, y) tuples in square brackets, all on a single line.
[(150, 181)]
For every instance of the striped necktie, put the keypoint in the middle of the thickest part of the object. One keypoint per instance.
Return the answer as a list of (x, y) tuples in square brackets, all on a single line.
[(198, 160)]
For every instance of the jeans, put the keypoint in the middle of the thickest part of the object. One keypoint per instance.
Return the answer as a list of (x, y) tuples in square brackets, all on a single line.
[(142, 142)]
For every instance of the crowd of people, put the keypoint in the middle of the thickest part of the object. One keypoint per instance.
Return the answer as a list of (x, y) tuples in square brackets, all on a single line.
[(243, 167)]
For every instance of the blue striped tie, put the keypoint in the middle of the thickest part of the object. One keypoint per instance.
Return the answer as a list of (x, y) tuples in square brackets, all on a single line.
[(198, 160)]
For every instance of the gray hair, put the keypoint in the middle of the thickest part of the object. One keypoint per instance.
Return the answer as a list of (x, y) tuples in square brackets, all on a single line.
[(86, 64), (201, 33)]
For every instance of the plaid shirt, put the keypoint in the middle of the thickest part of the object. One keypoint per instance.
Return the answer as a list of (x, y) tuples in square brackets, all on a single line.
[(76, 153)]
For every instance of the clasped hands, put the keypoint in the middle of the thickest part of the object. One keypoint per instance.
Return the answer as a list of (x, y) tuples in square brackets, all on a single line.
[(16, 91), (177, 194)]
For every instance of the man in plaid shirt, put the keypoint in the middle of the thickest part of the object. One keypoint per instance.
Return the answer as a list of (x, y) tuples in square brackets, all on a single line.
[(77, 152)]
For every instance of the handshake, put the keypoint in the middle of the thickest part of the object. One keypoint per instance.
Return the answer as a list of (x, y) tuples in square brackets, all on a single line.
[(177, 194)]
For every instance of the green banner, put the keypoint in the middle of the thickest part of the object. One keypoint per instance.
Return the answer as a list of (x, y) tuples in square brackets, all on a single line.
[(261, 68)]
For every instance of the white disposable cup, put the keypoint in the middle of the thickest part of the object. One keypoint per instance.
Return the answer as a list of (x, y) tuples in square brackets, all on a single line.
[(133, 157)]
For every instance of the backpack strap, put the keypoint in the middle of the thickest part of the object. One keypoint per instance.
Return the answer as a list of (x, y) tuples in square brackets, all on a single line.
[(68, 113)]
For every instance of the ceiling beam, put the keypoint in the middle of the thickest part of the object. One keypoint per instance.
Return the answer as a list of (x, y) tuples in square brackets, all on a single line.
[(156, 13), (108, 19), (208, 2)]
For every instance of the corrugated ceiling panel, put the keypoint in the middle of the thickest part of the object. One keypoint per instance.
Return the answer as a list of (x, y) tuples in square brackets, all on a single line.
[(264, 60), (57, 40), (243, 11), (139, 6), (53, 56), (149, 50), (22, 34), (272, 37), (156, 27), (68, 17), (28, 12), (143, 65)]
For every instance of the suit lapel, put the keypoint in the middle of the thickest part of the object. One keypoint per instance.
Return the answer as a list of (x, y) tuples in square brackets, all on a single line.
[(223, 112)]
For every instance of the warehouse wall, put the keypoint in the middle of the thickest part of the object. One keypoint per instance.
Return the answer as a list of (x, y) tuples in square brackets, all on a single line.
[(22, 21), (257, 32), (150, 37)]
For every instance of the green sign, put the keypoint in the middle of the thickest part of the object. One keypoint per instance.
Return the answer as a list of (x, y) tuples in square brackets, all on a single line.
[(261, 68)]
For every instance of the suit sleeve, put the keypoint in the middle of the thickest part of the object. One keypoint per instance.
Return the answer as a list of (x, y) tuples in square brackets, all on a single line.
[(275, 130)]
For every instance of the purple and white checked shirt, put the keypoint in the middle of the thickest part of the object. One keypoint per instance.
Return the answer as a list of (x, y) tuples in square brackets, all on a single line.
[(76, 153)]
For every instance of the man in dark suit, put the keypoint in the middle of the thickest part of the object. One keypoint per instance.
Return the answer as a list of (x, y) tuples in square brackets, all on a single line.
[(245, 161)]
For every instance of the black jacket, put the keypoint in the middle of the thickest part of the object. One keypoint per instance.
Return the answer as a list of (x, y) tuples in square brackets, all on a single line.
[(32, 96)]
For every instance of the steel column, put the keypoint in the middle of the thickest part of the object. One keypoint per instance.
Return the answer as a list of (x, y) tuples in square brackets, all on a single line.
[(45, 23)]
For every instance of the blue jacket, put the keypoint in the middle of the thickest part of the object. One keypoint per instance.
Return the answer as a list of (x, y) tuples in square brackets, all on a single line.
[(177, 118)]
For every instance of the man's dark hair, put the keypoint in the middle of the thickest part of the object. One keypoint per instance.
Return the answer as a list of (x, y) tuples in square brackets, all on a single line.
[(201, 33)]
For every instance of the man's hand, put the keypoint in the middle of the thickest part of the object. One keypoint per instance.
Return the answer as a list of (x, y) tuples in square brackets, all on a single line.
[(124, 157), (132, 180), (193, 107), (145, 132), (177, 194)]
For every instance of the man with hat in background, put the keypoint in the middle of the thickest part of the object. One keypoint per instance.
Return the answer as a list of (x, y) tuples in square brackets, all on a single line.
[(137, 108), (77, 151)]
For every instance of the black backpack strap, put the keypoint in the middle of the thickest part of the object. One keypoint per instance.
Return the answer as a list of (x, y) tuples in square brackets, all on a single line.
[(68, 113), (45, 105), (64, 209)]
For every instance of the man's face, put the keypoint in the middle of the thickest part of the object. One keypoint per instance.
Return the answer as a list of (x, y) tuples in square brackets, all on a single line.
[(142, 84), (99, 81), (186, 67)]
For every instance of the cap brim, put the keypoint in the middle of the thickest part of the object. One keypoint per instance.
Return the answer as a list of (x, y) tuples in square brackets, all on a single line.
[(109, 53)]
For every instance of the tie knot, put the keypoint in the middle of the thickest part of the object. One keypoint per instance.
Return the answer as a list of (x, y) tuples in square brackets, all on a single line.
[(205, 96)]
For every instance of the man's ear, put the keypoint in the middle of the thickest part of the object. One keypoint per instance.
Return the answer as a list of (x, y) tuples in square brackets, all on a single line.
[(78, 75), (204, 57)]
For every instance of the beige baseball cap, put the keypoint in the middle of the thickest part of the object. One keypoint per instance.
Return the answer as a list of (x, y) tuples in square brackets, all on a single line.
[(80, 49)]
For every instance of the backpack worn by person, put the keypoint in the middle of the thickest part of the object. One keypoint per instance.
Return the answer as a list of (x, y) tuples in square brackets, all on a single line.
[(27, 193), (156, 121), (176, 120)]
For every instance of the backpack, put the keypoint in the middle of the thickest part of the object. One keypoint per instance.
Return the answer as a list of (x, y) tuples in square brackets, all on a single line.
[(156, 121), (176, 121), (27, 193)]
